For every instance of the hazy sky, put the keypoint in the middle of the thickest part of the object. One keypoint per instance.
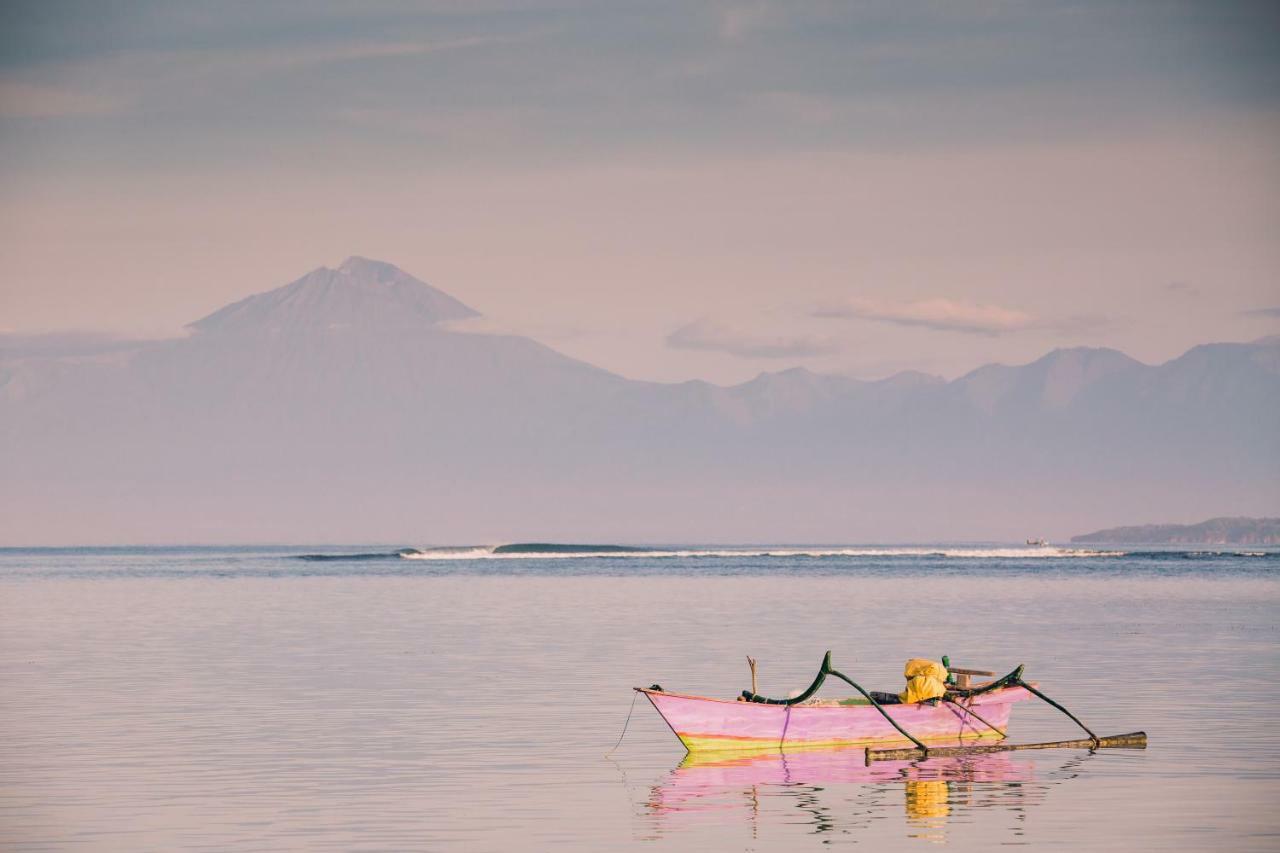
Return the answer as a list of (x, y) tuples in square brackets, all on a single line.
[(668, 190)]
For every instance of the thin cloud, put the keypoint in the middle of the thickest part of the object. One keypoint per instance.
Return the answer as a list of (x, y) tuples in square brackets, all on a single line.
[(941, 314), (141, 72), (1079, 324), (370, 50), (736, 21), (63, 344), (1262, 312), (473, 126), (483, 325), (707, 336), (29, 100)]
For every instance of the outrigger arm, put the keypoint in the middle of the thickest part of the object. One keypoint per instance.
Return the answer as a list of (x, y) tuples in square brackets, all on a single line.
[(825, 670), (1134, 740)]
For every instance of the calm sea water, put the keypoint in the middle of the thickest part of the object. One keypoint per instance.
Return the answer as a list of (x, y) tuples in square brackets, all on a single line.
[(160, 699)]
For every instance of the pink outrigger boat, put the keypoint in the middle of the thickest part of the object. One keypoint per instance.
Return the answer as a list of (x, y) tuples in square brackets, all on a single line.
[(754, 722), (705, 724)]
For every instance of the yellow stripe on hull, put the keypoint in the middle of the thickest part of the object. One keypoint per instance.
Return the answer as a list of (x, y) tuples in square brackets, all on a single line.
[(727, 743)]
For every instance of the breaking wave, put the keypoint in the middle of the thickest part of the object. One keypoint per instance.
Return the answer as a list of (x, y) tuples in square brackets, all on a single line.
[(374, 555), (549, 548), (559, 551), (541, 551)]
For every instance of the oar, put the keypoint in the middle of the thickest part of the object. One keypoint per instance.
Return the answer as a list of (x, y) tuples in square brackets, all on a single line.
[(1133, 740)]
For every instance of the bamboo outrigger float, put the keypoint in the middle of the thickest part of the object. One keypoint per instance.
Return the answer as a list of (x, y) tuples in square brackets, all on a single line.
[(964, 712)]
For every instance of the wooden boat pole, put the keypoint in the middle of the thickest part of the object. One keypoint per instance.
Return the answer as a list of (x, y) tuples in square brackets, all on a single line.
[(1133, 740), (752, 696)]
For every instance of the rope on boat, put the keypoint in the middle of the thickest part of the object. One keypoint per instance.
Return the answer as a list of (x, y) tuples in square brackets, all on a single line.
[(968, 709), (634, 697)]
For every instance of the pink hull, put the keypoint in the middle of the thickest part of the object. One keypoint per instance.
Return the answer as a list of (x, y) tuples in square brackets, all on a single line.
[(717, 724)]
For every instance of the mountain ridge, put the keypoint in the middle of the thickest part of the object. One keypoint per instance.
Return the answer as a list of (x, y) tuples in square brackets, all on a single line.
[(411, 304), (304, 415), (1223, 530)]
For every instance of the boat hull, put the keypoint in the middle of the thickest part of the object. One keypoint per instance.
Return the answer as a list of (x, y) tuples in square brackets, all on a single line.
[(705, 725)]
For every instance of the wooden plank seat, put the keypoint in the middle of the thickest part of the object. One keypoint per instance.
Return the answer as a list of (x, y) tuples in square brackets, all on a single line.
[(963, 676)]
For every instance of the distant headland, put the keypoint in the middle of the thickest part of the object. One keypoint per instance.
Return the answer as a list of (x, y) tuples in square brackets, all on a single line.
[(1215, 531)]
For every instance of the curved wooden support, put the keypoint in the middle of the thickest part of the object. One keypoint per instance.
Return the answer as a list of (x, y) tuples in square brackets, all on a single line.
[(1012, 678), (823, 672), (750, 696), (1096, 740), (879, 708)]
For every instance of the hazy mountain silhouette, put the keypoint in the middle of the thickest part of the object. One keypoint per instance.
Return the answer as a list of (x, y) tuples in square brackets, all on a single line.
[(1215, 531), (362, 294), (344, 407)]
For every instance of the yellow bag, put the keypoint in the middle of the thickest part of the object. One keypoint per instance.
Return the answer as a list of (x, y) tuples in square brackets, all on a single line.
[(926, 679)]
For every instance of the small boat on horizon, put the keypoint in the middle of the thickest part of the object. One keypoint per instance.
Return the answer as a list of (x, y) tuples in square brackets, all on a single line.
[(1037, 543)]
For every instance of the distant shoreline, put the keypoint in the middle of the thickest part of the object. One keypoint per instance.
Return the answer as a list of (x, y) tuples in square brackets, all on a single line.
[(1215, 531)]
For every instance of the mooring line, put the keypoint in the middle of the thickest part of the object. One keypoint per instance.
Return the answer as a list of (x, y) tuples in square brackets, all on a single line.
[(634, 697), (971, 713)]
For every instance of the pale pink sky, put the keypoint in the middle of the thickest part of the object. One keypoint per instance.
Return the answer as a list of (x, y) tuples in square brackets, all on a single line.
[(708, 193)]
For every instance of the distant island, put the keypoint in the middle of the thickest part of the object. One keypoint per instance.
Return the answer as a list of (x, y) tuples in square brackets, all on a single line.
[(1215, 531)]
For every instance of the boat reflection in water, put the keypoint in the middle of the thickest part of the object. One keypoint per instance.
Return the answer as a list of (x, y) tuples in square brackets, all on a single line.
[(833, 791)]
